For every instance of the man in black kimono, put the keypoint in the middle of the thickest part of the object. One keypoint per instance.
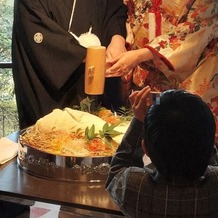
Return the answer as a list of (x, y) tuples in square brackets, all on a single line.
[(48, 62)]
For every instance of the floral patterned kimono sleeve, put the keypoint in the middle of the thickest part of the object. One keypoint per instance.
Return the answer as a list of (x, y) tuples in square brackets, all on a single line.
[(180, 48)]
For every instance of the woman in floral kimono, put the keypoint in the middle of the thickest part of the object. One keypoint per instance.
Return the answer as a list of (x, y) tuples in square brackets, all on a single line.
[(174, 44)]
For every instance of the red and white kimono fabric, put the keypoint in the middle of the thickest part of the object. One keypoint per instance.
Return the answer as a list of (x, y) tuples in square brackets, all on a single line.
[(184, 35)]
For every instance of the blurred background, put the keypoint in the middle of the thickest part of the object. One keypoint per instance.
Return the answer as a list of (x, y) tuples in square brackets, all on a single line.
[(8, 108)]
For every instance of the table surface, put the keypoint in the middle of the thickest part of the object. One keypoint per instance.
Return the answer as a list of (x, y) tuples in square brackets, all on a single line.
[(16, 182)]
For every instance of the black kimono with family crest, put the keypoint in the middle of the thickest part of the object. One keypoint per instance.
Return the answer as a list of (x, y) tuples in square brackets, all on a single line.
[(48, 62)]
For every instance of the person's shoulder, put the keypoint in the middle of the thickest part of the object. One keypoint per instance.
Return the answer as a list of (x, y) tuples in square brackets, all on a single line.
[(212, 171), (137, 176), (212, 175)]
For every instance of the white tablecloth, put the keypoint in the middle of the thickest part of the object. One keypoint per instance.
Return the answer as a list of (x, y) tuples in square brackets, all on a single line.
[(8, 149)]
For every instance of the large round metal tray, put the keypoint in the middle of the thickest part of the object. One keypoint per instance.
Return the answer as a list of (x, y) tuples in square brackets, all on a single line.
[(62, 168)]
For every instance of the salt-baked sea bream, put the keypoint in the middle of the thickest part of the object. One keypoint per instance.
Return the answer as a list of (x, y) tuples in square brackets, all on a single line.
[(71, 132)]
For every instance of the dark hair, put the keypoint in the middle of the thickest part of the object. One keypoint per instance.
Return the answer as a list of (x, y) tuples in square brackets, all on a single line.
[(179, 135)]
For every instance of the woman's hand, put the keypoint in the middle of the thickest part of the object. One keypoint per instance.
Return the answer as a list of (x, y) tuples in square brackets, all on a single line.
[(125, 62), (140, 101)]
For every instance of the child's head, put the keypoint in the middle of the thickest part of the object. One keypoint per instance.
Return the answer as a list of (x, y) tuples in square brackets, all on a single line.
[(179, 135)]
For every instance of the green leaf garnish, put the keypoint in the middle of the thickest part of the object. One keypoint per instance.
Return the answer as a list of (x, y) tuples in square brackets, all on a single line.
[(90, 133), (109, 131)]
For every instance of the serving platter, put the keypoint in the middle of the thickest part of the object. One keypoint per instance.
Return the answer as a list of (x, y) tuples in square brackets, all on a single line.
[(71, 145), (62, 168)]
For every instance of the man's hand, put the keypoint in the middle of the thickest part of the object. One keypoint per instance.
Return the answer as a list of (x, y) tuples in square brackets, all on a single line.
[(140, 101), (116, 47)]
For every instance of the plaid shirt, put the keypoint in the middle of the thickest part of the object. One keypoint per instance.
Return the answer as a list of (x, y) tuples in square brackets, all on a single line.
[(141, 192)]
